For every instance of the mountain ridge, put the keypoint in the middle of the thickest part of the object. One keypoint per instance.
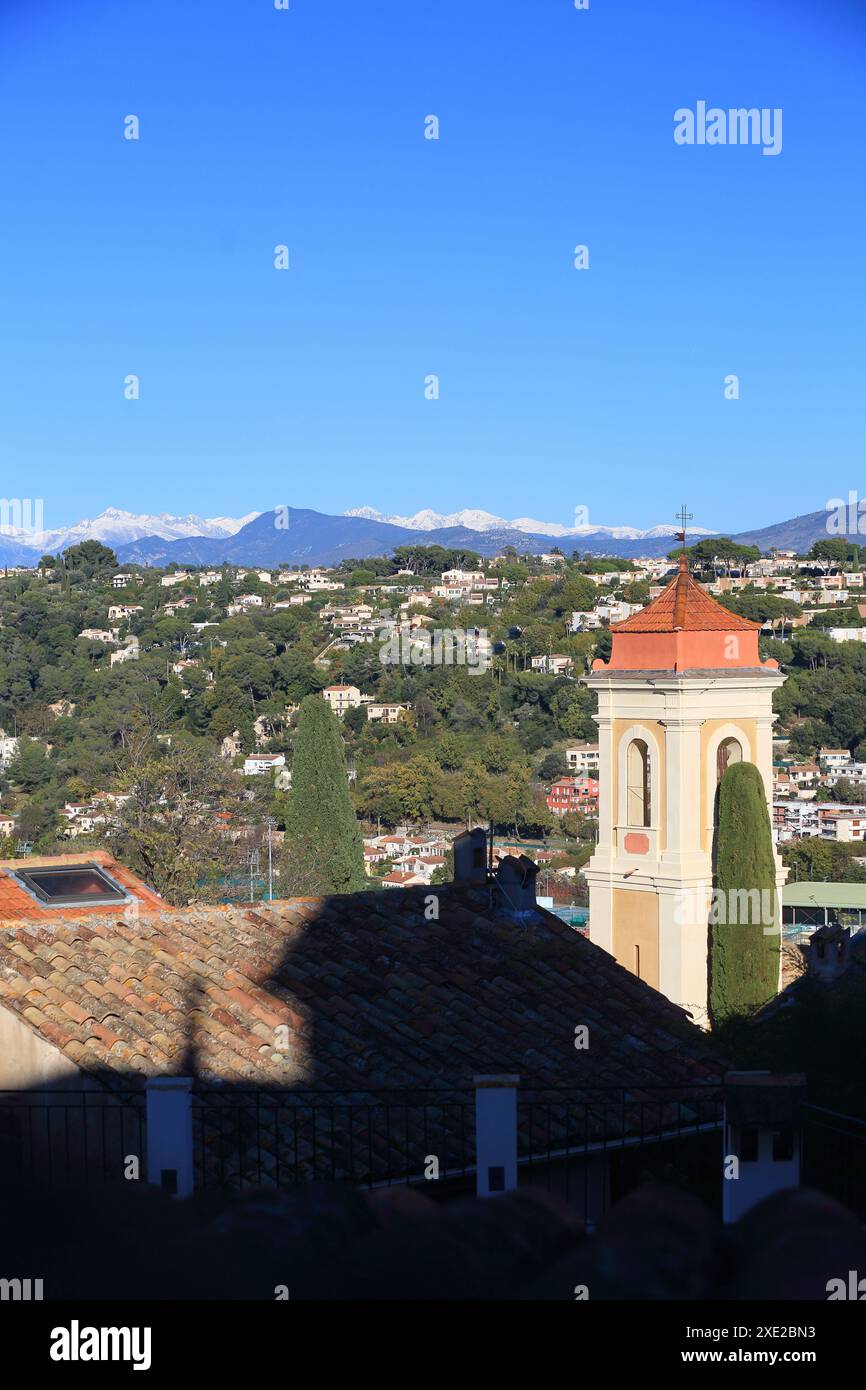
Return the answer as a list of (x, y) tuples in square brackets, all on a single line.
[(480, 520), (310, 537), (115, 526), (316, 538)]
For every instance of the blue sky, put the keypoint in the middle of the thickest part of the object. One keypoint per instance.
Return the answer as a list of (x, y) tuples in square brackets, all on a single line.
[(559, 388)]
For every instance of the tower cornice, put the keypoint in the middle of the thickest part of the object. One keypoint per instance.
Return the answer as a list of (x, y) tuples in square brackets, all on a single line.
[(689, 679)]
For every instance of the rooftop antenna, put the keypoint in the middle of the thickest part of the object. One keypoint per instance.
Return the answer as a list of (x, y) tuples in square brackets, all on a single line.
[(683, 516)]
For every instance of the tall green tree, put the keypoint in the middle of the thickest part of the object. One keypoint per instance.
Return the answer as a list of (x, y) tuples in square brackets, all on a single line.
[(89, 556), (30, 768), (323, 850), (744, 940), (831, 552)]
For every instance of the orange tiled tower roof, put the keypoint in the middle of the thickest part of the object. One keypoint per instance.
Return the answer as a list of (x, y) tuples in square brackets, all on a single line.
[(685, 606), (684, 629)]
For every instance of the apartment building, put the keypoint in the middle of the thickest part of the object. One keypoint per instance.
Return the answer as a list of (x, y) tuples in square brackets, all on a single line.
[(583, 758), (343, 697), (553, 665), (260, 764), (386, 713), (573, 794), (834, 760)]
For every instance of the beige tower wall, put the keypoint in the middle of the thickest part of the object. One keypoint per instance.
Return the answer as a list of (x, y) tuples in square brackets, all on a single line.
[(636, 924), (650, 887)]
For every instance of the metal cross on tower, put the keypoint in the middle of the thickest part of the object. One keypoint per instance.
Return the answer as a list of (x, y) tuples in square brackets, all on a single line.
[(683, 517)]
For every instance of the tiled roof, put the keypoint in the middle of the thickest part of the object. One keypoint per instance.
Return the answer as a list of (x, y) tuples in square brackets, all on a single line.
[(685, 606), (365, 998), (371, 993), (17, 905)]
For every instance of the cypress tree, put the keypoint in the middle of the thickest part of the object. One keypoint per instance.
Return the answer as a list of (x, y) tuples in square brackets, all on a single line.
[(744, 939), (323, 850)]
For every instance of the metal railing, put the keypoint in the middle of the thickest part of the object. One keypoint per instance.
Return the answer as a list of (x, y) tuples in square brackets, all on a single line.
[(834, 1155), (74, 1138), (260, 1137), (592, 1144), (369, 1139), (589, 1144)]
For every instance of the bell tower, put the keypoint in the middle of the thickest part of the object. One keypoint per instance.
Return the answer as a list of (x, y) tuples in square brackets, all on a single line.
[(684, 694)]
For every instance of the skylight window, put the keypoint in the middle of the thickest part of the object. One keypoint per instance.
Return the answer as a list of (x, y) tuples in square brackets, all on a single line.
[(70, 885)]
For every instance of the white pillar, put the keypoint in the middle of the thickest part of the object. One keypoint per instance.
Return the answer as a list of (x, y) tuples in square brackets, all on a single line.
[(601, 909), (684, 870), (683, 945), (599, 875), (764, 756), (606, 774), (496, 1134), (682, 853), (169, 1134)]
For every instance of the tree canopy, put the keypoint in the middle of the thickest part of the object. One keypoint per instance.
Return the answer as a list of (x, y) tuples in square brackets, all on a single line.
[(744, 923), (323, 852)]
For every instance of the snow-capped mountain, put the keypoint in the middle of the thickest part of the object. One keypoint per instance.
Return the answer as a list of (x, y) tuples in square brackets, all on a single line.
[(306, 537), (195, 539), (476, 520), (428, 520), (117, 527)]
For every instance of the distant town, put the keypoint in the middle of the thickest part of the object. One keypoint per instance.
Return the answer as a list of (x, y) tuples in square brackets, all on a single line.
[(456, 680)]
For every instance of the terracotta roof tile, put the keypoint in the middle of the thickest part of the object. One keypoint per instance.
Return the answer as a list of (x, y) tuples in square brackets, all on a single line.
[(17, 905), (685, 606)]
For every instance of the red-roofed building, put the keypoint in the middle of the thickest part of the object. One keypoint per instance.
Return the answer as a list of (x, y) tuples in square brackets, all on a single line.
[(400, 878), (342, 698), (573, 794)]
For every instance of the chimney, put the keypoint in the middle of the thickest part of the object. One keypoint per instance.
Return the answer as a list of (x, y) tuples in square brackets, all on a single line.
[(829, 952), (470, 856), (515, 881), (763, 1138)]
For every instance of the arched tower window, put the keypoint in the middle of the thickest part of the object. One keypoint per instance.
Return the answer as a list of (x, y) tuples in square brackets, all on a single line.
[(638, 807), (730, 751)]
